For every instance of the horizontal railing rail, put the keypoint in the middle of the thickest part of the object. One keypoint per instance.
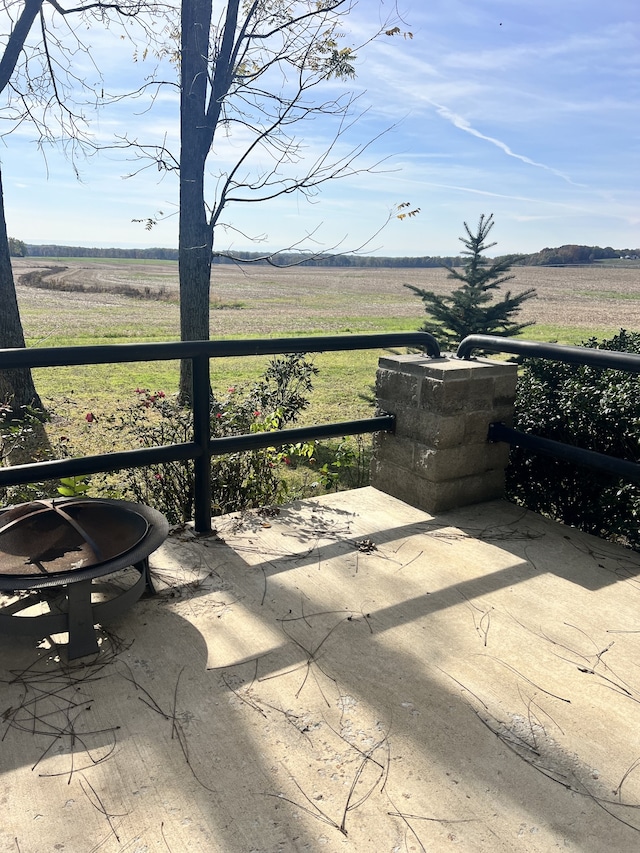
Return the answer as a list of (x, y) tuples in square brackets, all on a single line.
[(166, 351), (627, 362), (104, 462), (623, 469), (203, 447)]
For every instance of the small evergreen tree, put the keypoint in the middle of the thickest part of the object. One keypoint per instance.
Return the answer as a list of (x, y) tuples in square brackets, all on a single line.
[(470, 309)]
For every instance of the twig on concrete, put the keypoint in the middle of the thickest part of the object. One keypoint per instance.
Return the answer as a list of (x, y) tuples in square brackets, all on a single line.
[(164, 838), (242, 698), (53, 692), (434, 819), (305, 617), (591, 662), (603, 805), (99, 805), (350, 804), (315, 811), (174, 730), (412, 560), (312, 654), (405, 819), (460, 684), (618, 789), (482, 626), (528, 680), (177, 730)]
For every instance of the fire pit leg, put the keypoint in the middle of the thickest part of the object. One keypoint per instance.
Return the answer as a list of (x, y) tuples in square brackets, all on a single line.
[(145, 571), (82, 633)]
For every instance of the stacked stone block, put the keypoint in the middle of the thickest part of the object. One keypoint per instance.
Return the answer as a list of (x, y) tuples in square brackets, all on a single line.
[(439, 457)]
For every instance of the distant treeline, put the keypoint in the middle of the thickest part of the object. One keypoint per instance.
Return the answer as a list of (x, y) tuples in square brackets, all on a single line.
[(562, 255), (573, 254), (280, 258), (54, 251)]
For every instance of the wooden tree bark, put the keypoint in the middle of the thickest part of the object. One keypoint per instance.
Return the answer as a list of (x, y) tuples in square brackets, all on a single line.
[(195, 235), (16, 386), (200, 104)]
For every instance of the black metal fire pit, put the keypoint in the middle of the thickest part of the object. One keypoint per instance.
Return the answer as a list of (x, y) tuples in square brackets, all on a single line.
[(68, 543)]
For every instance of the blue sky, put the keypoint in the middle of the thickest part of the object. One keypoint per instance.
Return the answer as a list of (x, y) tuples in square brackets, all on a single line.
[(527, 110)]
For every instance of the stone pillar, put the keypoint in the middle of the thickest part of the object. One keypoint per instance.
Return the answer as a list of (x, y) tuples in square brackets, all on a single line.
[(439, 457)]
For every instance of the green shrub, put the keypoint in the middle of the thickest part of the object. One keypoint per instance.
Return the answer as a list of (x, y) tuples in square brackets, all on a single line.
[(587, 407), (22, 441), (344, 464), (239, 480)]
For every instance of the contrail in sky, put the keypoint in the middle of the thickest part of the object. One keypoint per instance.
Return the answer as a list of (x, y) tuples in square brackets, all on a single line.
[(463, 124)]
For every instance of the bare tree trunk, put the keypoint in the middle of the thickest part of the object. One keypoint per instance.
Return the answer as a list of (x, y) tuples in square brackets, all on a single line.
[(201, 99), (16, 386), (195, 233), (195, 246)]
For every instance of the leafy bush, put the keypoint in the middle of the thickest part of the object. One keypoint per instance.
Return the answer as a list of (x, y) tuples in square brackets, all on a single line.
[(588, 407), (344, 464), (21, 441), (239, 480)]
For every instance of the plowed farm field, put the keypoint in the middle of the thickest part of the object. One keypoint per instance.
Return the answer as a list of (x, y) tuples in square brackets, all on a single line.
[(572, 303)]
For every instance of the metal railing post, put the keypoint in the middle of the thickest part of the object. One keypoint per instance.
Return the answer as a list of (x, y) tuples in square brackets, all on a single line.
[(201, 435)]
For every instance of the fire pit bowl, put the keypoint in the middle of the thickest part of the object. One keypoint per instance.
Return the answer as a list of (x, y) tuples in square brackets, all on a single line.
[(68, 543)]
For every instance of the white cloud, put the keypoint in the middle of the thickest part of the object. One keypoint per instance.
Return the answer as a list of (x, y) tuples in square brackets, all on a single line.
[(462, 124)]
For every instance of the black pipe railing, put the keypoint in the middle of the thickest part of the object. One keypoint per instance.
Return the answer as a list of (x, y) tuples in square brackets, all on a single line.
[(622, 469), (123, 353), (203, 446), (625, 361)]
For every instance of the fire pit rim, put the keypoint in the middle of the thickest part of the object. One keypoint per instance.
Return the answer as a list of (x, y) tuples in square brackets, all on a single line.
[(157, 532)]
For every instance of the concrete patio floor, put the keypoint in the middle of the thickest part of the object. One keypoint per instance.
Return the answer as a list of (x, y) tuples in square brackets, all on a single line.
[(350, 674)]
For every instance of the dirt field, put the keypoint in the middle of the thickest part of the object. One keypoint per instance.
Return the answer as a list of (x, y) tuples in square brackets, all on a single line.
[(305, 300)]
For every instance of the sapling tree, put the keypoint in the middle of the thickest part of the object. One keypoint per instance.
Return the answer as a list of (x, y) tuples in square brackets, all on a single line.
[(472, 309)]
